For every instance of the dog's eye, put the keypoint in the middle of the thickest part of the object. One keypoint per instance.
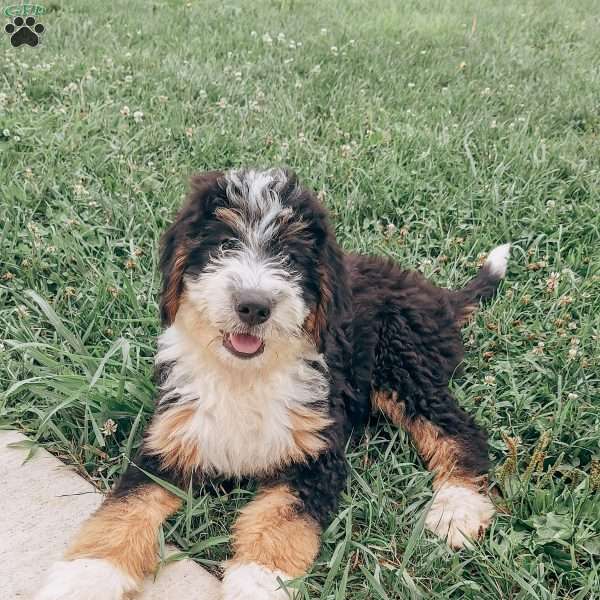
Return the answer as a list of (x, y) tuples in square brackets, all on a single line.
[(228, 244)]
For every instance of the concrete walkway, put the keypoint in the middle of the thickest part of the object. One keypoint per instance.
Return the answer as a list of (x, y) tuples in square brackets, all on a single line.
[(42, 504)]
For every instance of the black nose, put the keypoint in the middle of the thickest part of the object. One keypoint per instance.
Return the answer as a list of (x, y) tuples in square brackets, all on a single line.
[(253, 308)]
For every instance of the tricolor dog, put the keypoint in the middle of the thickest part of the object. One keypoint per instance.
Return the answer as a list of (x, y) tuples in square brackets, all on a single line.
[(276, 345)]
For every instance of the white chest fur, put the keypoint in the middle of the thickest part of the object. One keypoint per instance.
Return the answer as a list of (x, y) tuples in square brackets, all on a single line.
[(234, 421)]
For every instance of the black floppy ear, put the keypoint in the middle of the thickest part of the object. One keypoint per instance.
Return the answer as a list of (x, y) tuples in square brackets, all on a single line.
[(332, 287), (333, 296), (177, 241)]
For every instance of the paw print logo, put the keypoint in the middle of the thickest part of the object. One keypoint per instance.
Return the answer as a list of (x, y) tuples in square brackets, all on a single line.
[(24, 31)]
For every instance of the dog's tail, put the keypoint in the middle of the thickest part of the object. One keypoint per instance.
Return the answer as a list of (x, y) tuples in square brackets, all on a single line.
[(484, 284)]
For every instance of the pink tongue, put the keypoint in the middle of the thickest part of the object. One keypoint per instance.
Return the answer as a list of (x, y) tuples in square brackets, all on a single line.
[(245, 344)]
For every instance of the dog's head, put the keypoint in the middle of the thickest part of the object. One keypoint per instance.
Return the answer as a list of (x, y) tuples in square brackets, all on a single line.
[(251, 255)]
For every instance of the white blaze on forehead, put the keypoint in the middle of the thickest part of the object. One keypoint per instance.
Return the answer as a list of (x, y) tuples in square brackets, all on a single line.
[(256, 195), (258, 191)]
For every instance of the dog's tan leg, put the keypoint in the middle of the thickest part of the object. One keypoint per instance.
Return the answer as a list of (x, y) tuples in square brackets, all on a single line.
[(115, 548), (461, 509), (274, 541)]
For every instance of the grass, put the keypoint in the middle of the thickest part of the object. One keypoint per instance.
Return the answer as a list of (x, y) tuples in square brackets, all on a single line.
[(433, 130)]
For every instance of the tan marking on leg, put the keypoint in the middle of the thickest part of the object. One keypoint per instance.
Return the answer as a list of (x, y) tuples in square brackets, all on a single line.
[(306, 427), (459, 511), (164, 439), (439, 451), (271, 532), (123, 530)]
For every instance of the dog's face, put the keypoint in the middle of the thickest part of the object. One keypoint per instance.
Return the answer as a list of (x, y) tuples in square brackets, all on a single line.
[(247, 257)]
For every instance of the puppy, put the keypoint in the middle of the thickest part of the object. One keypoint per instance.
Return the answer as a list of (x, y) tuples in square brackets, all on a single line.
[(276, 345)]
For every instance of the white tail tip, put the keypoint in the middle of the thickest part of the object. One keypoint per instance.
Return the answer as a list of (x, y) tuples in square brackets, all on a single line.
[(497, 260)]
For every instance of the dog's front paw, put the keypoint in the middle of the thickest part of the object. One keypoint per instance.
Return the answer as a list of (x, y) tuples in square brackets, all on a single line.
[(86, 579), (251, 581), (459, 514)]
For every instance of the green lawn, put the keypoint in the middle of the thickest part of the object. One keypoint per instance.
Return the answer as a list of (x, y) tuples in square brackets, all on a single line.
[(433, 131)]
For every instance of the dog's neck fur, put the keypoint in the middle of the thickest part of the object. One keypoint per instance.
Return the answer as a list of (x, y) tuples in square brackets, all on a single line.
[(242, 414)]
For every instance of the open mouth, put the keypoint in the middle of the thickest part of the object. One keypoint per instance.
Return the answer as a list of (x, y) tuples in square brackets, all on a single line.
[(243, 345)]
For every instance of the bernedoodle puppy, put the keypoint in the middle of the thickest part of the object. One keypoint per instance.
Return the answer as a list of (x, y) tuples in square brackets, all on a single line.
[(276, 345)]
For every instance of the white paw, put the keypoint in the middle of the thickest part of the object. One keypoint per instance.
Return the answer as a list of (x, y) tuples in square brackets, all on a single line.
[(459, 514), (86, 579), (251, 581)]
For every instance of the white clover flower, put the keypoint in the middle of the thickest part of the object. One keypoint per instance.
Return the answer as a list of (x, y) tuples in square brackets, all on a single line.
[(316, 69), (323, 31), (138, 116), (125, 111), (552, 282), (109, 427), (267, 39)]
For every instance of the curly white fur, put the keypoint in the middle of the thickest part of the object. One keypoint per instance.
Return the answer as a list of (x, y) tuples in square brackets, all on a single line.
[(251, 581), (86, 579), (459, 514), (497, 260)]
